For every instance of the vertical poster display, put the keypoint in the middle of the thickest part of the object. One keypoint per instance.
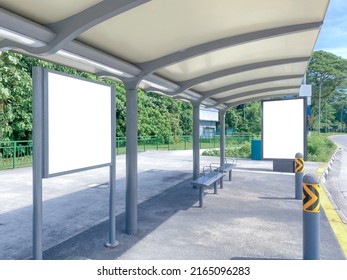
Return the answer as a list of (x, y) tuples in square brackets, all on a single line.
[(77, 127), (74, 130), (283, 128)]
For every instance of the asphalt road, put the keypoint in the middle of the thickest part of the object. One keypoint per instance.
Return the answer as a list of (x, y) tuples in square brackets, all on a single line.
[(337, 179)]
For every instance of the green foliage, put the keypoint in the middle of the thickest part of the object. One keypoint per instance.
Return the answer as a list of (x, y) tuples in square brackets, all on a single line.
[(158, 115), (328, 72), (163, 116), (240, 151), (15, 98), (244, 118), (319, 148)]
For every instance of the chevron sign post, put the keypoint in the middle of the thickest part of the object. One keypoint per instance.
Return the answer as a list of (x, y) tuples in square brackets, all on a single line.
[(311, 217), (299, 173)]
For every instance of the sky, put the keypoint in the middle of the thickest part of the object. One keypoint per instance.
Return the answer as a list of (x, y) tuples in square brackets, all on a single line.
[(333, 34)]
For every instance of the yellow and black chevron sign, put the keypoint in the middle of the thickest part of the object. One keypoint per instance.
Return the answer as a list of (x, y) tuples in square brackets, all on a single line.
[(299, 165), (310, 198)]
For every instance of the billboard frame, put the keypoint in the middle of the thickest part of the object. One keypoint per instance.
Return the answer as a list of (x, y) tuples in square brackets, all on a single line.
[(304, 122), (40, 155)]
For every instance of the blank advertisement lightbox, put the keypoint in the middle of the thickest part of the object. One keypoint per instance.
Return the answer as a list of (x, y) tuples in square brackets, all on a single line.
[(78, 120), (283, 128)]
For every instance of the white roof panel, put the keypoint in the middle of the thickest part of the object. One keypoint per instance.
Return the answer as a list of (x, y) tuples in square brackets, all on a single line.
[(201, 50)]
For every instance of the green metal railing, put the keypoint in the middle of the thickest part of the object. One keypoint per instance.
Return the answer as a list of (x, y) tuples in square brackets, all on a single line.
[(15, 154), (182, 142)]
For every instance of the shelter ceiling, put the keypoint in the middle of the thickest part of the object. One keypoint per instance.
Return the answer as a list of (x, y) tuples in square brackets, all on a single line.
[(214, 52)]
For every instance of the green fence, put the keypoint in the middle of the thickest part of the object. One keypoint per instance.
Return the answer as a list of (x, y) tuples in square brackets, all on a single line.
[(15, 154), (19, 153), (182, 142)]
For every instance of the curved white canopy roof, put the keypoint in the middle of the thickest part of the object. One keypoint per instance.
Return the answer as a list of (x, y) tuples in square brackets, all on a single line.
[(220, 53)]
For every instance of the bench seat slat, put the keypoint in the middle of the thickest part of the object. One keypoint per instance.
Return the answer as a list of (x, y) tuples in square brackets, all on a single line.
[(208, 179)]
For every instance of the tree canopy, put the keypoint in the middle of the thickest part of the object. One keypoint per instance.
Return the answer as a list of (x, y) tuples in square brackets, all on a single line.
[(158, 115), (329, 72), (163, 116)]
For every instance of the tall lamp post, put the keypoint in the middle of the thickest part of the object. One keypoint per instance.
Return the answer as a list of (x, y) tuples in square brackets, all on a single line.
[(343, 110), (319, 105)]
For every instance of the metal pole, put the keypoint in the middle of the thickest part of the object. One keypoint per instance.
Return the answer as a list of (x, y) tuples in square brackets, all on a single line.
[(112, 242), (201, 196), (299, 174), (311, 217), (14, 154), (222, 141), (131, 159), (37, 161), (319, 105), (196, 144), (326, 117)]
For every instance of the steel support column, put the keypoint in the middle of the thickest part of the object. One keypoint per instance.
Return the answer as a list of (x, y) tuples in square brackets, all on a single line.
[(196, 142), (112, 242), (37, 161), (222, 141), (131, 159)]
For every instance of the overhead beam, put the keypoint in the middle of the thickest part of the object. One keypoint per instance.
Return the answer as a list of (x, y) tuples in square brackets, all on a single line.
[(252, 92), (210, 93), (250, 99), (165, 61), (69, 28), (187, 84)]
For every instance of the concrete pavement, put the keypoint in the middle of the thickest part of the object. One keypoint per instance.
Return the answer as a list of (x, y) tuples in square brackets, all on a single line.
[(254, 217)]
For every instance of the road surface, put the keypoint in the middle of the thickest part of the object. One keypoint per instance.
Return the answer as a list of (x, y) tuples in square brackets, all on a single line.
[(337, 179)]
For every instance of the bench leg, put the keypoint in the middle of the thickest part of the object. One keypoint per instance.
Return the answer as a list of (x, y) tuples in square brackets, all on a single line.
[(230, 174), (215, 187), (221, 183), (201, 196)]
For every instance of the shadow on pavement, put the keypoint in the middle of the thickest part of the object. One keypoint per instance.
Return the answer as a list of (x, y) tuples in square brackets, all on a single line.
[(151, 214)]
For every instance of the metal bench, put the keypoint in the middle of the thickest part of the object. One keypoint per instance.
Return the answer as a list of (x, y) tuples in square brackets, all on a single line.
[(226, 167), (206, 180)]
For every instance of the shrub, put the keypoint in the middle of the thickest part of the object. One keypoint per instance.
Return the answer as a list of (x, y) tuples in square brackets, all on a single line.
[(241, 151), (319, 148)]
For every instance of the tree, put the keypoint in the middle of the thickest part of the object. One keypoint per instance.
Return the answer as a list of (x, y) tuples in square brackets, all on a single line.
[(15, 98), (326, 72), (186, 118), (245, 118), (232, 119), (253, 115)]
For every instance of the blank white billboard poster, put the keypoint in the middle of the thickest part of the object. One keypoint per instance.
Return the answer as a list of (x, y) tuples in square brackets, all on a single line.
[(78, 119), (283, 130)]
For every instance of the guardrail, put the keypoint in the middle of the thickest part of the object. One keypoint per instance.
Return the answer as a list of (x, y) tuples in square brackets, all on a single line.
[(15, 154)]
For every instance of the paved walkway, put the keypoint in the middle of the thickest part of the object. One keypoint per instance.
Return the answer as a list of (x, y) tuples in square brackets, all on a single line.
[(253, 217)]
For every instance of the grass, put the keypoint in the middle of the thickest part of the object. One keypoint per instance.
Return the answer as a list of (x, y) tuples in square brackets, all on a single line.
[(319, 149), (240, 151)]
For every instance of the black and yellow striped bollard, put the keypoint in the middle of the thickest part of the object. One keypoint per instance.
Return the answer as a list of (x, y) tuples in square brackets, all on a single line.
[(311, 217), (299, 174)]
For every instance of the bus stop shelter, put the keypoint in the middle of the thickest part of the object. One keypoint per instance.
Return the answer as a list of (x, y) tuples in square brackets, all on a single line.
[(215, 54)]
